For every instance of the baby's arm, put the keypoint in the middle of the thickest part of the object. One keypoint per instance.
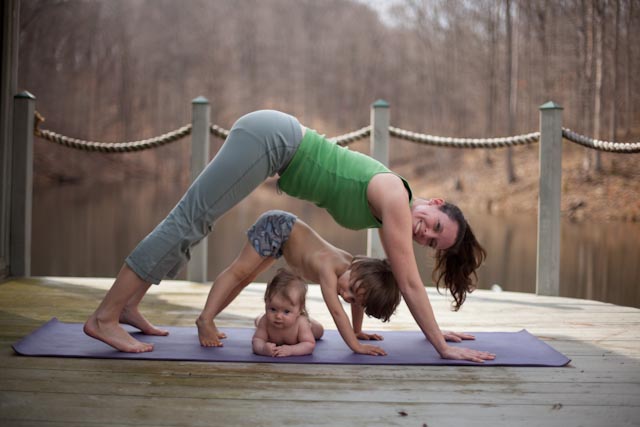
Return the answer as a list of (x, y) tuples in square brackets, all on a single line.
[(357, 315), (306, 341), (330, 295), (260, 342)]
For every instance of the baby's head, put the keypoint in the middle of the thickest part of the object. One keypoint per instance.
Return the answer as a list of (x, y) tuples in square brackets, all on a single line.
[(375, 286), (289, 289)]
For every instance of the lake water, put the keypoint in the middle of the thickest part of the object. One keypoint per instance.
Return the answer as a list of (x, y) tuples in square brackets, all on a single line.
[(80, 231)]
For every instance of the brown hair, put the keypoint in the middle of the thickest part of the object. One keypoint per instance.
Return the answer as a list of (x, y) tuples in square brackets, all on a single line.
[(381, 292), (283, 283), (458, 264)]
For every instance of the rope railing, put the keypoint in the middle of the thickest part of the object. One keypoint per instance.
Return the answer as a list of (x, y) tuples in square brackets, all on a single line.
[(219, 132), (348, 138), (612, 147), (115, 147), (109, 147), (550, 137), (441, 141), (343, 140)]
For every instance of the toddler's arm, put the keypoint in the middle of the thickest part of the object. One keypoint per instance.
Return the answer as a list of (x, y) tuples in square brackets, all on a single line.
[(357, 314), (328, 286)]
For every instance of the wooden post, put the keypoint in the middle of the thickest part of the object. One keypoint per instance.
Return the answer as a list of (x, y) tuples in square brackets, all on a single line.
[(197, 268), (9, 28), (548, 260), (24, 106), (379, 150)]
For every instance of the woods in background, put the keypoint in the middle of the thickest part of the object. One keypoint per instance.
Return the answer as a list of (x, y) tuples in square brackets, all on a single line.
[(122, 70)]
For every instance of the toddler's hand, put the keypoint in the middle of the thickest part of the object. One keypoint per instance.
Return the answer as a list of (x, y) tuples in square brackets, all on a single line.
[(370, 337)]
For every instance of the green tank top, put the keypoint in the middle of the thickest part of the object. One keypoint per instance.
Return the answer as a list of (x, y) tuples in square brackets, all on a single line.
[(334, 178)]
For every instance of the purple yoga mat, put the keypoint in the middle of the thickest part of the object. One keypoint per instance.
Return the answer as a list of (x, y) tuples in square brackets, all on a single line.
[(60, 339)]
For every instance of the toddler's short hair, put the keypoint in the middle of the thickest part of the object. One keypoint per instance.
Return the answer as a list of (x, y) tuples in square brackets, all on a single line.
[(381, 291)]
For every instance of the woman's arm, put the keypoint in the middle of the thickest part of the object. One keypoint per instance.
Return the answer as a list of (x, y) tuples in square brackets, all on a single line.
[(388, 197)]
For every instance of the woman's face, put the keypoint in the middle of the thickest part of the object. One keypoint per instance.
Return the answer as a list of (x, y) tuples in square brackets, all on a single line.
[(432, 227)]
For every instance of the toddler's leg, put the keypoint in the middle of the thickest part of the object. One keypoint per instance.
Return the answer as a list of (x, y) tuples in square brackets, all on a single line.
[(244, 269)]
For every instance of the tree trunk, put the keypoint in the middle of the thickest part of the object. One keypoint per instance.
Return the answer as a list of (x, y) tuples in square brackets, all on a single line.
[(614, 98), (493, 20), (599, 13), (511, 175)]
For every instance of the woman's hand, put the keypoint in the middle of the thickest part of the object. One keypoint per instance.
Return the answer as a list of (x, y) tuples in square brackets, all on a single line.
[(369, 337), (461, 353), (371, 350), (457, 336)]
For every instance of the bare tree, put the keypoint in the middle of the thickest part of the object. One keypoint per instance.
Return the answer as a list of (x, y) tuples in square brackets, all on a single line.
[(511, 62), (613, 106), (120, 70), (599, 17), (492, 20)]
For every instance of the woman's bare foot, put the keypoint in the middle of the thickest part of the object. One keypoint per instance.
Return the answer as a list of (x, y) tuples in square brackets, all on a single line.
[(112, 334), (208, 333), (132, 316)]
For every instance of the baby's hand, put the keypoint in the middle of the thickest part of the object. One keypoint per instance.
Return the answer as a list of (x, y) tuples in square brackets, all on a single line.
[(282, 351), (270, 348), (370, 337), (371, 350)]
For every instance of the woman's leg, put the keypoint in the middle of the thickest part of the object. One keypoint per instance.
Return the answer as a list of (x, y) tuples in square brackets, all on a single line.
[(131, 315), (259, 145), (104, 322)]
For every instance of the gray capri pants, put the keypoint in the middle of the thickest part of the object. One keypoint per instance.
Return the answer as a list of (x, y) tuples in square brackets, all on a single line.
[(259, 145), (270, 232)]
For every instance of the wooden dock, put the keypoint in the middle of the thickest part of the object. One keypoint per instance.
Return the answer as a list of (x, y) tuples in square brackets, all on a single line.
[(601, 386)]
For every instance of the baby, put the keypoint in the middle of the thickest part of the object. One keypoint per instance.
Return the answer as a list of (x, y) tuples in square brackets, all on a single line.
[(285, 329)]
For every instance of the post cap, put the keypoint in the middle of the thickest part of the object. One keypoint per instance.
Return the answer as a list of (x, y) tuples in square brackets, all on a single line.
[(380, 103), (25, 94), (200, 100), (550, 106)]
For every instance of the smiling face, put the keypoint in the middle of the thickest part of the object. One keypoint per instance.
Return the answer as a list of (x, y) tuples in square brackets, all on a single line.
[(432, 227), (281, 312)]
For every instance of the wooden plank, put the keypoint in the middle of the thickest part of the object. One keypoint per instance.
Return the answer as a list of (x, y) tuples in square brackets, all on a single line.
[(159, 411), (363, 390), (601, 387)]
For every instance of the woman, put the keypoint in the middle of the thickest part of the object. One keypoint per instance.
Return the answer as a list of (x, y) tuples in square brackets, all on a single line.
[(356, 190)]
